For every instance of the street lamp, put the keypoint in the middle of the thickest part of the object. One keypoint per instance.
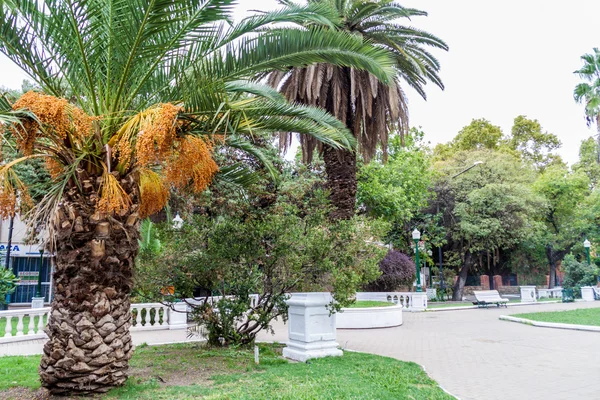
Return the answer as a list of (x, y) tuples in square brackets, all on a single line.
[(38, 292), (177, 222), (587, 245), (416, 235)]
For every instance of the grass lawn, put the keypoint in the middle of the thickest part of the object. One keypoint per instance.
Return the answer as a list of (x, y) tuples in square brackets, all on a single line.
[(14, 324), (190, 371), (581, 316), (371, 303)]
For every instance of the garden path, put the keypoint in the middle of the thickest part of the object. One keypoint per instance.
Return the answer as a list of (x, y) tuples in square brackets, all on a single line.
[(475, 356)]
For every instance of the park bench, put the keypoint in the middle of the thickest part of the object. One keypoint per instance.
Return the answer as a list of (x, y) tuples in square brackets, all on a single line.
[(486, 297)]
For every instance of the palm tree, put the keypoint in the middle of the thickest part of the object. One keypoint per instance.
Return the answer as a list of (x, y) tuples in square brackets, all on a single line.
[(369, 107), (588, 92), (137, 95)]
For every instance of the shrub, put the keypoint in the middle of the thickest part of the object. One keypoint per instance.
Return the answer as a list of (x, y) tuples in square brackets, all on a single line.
[(578, 274), (8, 283), (397, 269)]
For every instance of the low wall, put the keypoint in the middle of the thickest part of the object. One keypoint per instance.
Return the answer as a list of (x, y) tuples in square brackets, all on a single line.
[(372, 317), (509, 290)]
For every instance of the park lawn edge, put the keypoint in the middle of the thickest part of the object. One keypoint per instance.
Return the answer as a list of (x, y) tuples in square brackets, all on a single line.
[(353, 375)]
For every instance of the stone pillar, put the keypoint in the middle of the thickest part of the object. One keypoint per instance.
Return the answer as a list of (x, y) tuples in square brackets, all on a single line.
[(528, 294), (419, 301), (178, 316), (37, 302), (497, 281), (484, 282), (311, 328), (587, 293)]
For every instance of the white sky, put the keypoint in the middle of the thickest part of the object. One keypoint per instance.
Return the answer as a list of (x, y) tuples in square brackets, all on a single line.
[(506, 58)]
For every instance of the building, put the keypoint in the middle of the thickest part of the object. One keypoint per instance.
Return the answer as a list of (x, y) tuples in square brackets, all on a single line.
[(25, 263)]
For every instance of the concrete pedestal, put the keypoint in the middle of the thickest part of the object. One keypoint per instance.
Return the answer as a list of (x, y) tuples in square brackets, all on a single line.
[(311, 328), (419, 301), (178, 316), (37, 302), (528, 294), (587, 293)]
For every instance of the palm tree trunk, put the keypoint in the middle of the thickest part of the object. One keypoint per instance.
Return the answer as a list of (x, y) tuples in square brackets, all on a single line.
[(340, 166), (90, 344)]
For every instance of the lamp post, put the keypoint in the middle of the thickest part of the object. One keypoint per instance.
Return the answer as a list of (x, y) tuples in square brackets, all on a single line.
[(587, 245), (38, 292), (416, 235)]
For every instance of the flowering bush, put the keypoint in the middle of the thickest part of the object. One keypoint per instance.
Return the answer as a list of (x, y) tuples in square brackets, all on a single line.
[(397, 269)]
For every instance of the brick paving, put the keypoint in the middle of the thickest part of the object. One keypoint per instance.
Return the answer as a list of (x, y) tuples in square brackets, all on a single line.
[(475, 356)]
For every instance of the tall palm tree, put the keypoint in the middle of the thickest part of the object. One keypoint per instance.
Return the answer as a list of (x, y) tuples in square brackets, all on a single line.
[(137, 95), (369, 107), (588, 92)]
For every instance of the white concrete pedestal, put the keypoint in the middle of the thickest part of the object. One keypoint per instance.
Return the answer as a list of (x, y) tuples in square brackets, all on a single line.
[(587, 293), (419, 301), (37, 302), (311, 328), (528, 294), (178, 316)]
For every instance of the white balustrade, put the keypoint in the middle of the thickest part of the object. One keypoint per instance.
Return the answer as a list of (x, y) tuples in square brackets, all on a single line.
[(28, 324), (403, 298), (150, 316)]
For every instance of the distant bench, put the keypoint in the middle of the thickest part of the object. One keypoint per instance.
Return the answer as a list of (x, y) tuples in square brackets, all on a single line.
[(486, 297)]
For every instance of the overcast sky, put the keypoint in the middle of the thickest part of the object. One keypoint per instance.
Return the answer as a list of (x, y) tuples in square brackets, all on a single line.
[(506, 58)]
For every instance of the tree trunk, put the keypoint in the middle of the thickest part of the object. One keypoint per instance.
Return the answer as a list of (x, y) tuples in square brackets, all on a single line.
[(340, 166), (90, 344), (462, 278)]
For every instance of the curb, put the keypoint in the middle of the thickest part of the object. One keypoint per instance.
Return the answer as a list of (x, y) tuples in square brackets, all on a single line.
[(572, 327)]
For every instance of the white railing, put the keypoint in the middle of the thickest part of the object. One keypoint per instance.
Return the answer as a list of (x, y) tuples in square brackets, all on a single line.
[(404, 298), (149, 316), (25, 324), (552, 293)]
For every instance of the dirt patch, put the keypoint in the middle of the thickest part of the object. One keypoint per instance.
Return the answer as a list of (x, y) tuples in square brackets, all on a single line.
[(24, 394)]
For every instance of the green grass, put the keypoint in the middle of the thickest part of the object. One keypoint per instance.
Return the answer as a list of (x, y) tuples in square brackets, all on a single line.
[(189, 371), (14, 324), (371, 303), (581, 316)]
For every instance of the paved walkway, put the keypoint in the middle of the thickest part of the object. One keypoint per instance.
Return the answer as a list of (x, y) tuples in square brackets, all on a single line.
[(470, 353), (475, 356)]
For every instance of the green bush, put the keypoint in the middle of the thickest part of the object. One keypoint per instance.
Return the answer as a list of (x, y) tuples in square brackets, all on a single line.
[(8, 283), (579, 274)]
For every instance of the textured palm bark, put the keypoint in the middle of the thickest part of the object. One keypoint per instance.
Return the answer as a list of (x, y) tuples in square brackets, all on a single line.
[(340, 166), (90, 344)]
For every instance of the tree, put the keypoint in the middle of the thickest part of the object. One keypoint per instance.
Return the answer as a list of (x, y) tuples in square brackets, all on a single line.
[(588, 154), (398, 189), (489, 209), (532, 144), (564, 192), (588, 92), (153, 88), (397, 269), (480, 134), (369, 107)]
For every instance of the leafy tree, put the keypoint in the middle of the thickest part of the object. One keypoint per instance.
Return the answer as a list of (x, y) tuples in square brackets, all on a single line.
[(8, 283), (398, 189), (588, 154), (532, 144), (490, 209), (480, 134), (286, 245), (588, 92), (564, 192), (368, 106), (136, 97)]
